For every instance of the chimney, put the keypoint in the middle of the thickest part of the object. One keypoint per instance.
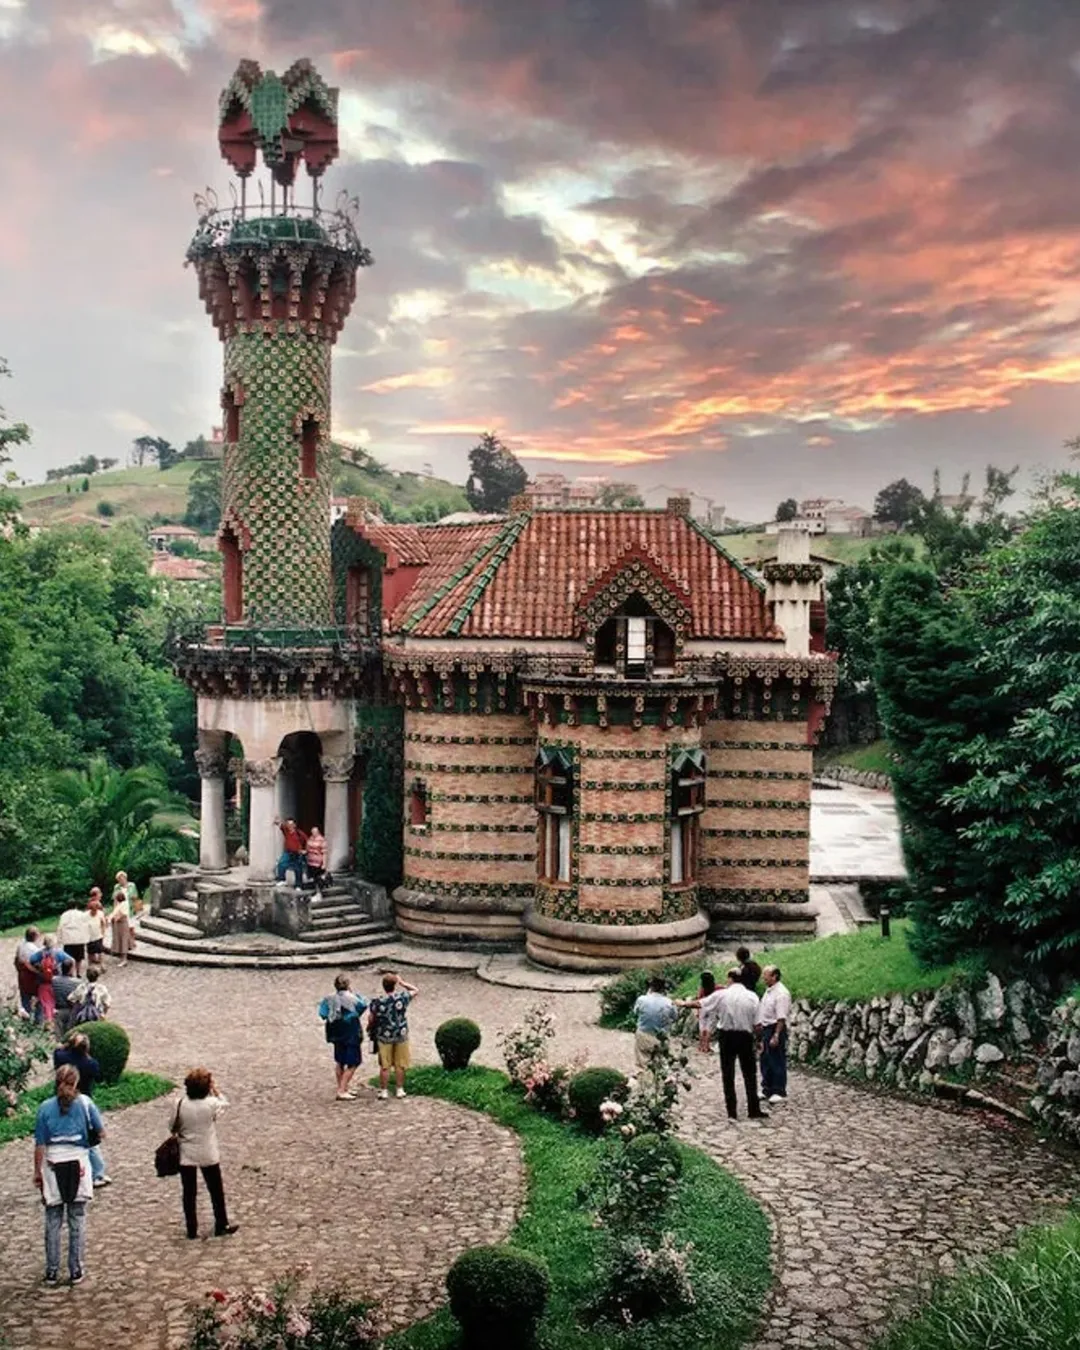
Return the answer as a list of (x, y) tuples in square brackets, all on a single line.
[(678, 506), (793, 544)]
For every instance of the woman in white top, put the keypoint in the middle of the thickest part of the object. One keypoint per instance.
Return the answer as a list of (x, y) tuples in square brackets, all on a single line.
[(120, 918), (194, 1122)]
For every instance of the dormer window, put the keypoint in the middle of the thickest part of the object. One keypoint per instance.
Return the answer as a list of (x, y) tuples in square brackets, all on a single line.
[(687, 804), (635, 643)]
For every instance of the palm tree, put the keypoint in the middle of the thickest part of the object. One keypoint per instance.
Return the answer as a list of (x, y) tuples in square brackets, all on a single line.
[(117, 814)]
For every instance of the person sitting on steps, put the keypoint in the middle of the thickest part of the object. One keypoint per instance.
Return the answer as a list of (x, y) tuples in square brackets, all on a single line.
[(294, 846)]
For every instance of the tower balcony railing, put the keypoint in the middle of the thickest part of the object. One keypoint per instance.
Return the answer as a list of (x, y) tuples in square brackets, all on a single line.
[(263, 224), (261, 640)]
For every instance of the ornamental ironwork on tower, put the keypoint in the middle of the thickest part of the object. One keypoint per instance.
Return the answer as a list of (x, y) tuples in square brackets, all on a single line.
[(278, 280)]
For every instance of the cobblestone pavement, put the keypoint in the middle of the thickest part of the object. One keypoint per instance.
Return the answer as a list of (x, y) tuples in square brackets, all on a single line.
[(869, 1196)]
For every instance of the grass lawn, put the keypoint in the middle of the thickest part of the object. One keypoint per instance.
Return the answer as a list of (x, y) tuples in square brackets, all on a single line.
[(46, 925), (872, 758), (132, 1089), (729, 1232), (1026, 1301), (853, 966)]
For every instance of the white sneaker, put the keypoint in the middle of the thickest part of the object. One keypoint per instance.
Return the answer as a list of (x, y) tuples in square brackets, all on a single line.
[(400, 1092), (777, 1100), (383, 1094)]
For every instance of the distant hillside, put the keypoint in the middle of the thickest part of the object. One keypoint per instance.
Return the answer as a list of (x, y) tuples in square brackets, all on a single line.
[(845, 548), (151, 496)]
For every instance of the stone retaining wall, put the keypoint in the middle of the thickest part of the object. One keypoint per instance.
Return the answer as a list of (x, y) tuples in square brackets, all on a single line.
[(1057, 1102), (907, 1040), (843, 773)]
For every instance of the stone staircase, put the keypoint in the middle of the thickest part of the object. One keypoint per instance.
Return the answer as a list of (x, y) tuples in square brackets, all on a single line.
[(341, 932)]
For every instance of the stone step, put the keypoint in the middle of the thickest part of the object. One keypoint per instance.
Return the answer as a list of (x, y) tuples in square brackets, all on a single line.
[(235, 946), (188, 903), (343, 932), (161, 923), (176, 915), (386, 950), (347, 914)]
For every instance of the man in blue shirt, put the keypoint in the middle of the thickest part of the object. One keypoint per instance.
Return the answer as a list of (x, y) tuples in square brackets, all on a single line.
[(655, 1014)]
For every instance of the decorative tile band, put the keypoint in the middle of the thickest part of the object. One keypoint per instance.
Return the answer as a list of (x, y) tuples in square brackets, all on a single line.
[(754, 862), (455, 890), (587, 752), (755, 745), (755, 834), (758, 804), (617, 785), (788, 775), (453, 856), (625, 850), (622, 817), (747, 895), (417, 766), (427, 738), (484, 829), (516, 799)]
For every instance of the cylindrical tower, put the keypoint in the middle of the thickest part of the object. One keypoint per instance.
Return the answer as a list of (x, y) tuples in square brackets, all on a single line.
[(278, 281)]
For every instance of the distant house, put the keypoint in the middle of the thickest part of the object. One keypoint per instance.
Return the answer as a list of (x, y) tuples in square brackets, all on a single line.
[(555, 492), (164, 537), (827, 515), (164, 564)]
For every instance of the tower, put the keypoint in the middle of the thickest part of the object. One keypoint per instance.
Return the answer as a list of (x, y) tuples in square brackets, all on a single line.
[(280, 673), (278, 282)]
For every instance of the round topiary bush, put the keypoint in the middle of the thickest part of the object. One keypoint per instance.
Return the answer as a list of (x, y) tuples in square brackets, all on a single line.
[(589, 1088), (455, 1041), (498, 1295), (110, 1045)]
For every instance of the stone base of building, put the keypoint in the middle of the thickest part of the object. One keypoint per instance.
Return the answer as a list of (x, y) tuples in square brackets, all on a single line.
[(495, 922), (609, 947), (761, 922)]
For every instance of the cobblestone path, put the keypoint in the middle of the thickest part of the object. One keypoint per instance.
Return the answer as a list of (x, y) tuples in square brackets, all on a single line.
[(869, 1196)]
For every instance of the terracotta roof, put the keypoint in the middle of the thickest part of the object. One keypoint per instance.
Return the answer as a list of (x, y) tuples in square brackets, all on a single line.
[(524, 577), (402, 545), (179, 569)]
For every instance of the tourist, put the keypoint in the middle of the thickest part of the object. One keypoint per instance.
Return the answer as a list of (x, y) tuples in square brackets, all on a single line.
[(66, 1125), (316, 856), (64, 985), (737, 1016), (749, 970), (294, 842), (27, 975), (341, 1011), (91, 1001), (774, 1015), (47, 961), (707, 1002), (120, 918), (96, 922), (389, 1025), (655, 1014), (76, 1052), (194, 1121), (73, 934)]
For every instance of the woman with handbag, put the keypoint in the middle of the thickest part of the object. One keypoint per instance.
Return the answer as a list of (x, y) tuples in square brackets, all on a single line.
[(68, 1125), (194, 1123)]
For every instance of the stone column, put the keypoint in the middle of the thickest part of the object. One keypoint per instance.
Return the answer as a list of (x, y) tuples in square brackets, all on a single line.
[(212, 764), (337, 770), (264, 838)]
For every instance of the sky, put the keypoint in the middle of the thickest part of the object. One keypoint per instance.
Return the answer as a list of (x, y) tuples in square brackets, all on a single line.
[(750, 248)]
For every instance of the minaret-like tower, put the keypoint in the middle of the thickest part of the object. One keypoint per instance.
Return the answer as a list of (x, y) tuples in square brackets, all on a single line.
[(278, 281), (282, 673)]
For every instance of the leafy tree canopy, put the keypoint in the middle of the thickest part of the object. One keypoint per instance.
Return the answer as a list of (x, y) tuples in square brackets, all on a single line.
[(955, 536), (204, 497), (787, 510), (495, 477), (619, 496), (898, 504), (851, 612)]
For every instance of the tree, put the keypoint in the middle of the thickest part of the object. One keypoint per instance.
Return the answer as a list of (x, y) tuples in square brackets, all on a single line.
[(934, 698), (955, 536), (153, 448), (851, 612), (899, 504), (11, 433), (619, 497), (496, 477), (787, 510), (204, 497), (117, 815)]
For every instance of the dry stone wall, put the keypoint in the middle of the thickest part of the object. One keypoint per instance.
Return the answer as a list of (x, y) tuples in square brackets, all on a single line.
[(1057, 1101)]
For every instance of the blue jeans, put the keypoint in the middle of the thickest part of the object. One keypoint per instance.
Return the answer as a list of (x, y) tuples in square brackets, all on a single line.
[(76, 1219), (773, 1063), (97, 1163), (295, 861), (31, 1005)]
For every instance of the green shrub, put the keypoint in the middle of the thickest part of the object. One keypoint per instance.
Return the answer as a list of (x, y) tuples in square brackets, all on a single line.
[(644, 1280), (456, 1040), (618, 996), (106, 508), (498, 1295), (588, 1089), (635, 1182), (110, 1045)]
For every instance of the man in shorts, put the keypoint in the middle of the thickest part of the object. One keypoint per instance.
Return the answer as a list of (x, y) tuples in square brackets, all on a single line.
[(389, 1025), (73, 933)]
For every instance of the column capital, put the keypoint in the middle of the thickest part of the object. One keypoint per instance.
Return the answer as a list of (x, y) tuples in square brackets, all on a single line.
[(212, 763), (262, 772), (337, 768)]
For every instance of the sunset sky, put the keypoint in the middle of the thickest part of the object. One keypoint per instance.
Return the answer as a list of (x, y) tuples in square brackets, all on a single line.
[(756, 248)]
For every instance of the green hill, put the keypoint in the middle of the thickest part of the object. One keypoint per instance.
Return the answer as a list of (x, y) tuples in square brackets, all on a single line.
[(844, 548), (151, 496)]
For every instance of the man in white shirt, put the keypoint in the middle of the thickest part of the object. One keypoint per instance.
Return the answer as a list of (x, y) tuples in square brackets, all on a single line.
[(737, 1016), (773, 1032), (73, 934)]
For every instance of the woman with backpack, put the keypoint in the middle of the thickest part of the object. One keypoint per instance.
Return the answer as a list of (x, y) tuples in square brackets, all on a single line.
[(341, 1011), (47, 963)]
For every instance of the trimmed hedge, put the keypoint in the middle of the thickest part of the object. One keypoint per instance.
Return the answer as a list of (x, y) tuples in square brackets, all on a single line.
[(498, 1295), (456, 1040), (110, 1045), (589, 1088)]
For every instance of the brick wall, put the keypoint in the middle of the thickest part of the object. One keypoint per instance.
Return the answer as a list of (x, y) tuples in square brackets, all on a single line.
[(758, 781), (461, 758)]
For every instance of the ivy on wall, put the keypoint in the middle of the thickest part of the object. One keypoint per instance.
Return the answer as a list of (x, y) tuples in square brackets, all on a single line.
[(348, 549), (379, 732)]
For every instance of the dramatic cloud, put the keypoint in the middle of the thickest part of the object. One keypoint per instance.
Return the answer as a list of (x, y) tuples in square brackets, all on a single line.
[(752, 246)]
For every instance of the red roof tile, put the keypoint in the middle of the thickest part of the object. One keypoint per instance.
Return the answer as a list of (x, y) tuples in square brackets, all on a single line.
[(523, 577), (401, 543)]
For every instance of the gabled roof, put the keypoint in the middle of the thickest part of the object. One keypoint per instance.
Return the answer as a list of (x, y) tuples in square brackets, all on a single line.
[(523, 577)]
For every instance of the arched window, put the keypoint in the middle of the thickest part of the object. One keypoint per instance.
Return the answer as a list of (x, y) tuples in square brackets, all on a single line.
[(687, 804), (555, 811), (232, 568), (418, 804)]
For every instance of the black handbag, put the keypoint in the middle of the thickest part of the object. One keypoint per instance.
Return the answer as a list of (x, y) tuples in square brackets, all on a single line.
[(93, 1134), (167, 1153)]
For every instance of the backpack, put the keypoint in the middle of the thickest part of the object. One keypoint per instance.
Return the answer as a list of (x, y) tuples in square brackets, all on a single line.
[(86, 1011), (335, 1030), (47, 968)]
